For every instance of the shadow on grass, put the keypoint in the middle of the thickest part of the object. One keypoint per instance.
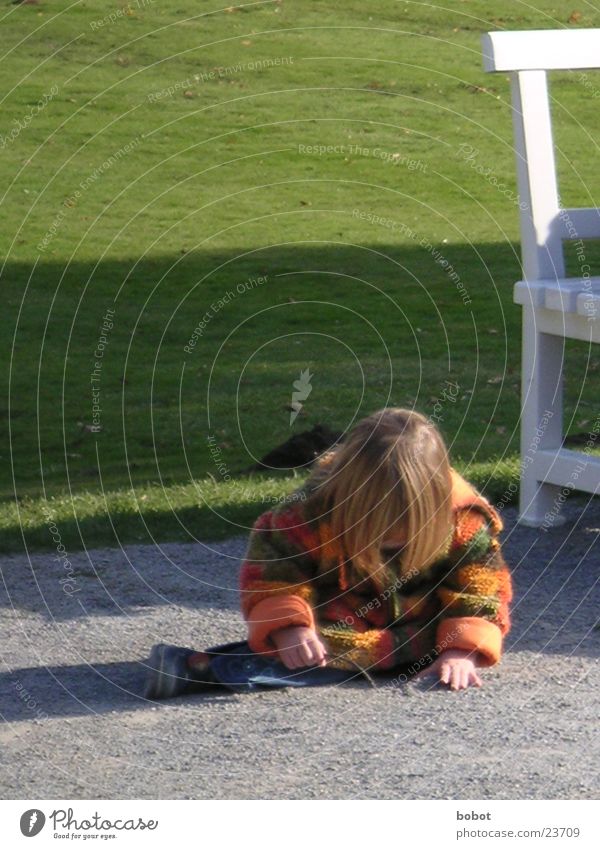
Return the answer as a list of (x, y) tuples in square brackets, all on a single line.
[(363, 303), (117, 527), (198, 523)]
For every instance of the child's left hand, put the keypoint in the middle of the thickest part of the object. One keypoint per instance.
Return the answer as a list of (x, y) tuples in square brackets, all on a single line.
[(455, 667)]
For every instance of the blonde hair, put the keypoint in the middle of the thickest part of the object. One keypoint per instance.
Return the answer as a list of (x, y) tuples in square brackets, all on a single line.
[(390, 475)]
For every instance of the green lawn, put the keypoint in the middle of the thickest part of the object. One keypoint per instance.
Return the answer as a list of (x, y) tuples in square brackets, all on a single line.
[(310, 188)]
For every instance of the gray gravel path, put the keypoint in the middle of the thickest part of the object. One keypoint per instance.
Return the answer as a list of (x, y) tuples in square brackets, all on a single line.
[(75, 725)]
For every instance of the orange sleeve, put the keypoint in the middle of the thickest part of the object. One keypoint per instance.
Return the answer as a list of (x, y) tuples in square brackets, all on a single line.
[(471, 633), (273, 613)]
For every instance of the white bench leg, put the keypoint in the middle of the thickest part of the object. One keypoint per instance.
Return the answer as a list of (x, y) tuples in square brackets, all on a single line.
[(541, 420)]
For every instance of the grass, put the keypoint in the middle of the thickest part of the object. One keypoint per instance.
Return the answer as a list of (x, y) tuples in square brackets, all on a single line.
[(181, 155), (203, 510)]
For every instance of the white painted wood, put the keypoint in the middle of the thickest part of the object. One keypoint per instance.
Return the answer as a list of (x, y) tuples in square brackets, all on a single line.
[(530, 293), (562, 295), (571, 470), (581, 223), (541, 415), (542, 255), (555, 308), (567, 325), (550, 49), (588, 306)]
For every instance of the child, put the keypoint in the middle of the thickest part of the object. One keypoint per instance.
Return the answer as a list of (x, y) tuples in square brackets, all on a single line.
[(385, 558)]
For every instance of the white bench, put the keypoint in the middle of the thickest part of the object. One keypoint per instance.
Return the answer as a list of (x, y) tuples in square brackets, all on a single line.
[(555, 307)]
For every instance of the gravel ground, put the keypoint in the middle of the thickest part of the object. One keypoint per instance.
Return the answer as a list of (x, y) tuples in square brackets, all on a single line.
[(76, 726)]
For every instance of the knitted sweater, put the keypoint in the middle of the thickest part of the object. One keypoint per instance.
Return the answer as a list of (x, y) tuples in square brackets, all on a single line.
[(294, 574)]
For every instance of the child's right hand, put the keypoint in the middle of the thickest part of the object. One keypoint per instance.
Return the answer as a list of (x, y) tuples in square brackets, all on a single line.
[(299, 646)]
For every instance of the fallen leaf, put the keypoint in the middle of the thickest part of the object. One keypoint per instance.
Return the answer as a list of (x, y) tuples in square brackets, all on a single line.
[(479, 89)]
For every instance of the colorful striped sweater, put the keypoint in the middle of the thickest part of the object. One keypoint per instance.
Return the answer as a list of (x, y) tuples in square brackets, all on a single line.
[(294, 574)]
